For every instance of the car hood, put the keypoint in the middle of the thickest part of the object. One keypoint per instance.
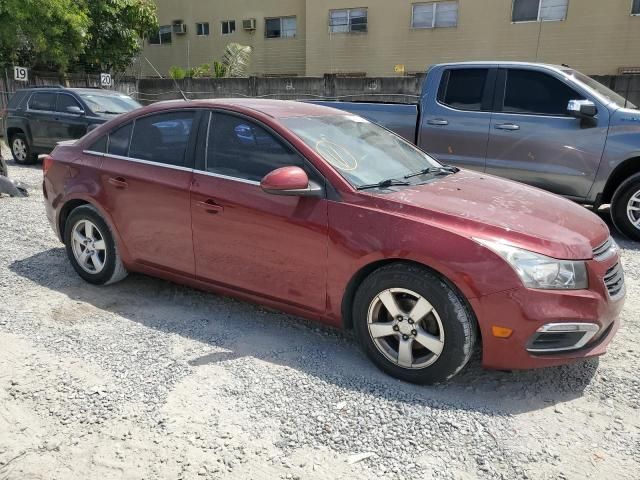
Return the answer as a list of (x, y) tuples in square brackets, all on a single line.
[(487, 207)]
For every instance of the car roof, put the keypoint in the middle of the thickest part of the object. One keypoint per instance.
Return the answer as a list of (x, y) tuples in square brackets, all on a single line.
[(498, 63), (270, 107), (80, 90)]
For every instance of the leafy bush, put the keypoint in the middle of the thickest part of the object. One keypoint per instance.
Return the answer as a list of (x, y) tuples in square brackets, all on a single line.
[(177, 73)]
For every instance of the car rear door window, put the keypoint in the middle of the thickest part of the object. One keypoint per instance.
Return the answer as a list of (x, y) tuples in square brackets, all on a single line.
[(162, 138), (464, 88), (538, 93), (240, 148), (65, 101), (99, 146), (119, 141), (43, 101)]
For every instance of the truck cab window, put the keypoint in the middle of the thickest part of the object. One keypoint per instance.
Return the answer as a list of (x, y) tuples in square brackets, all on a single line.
[(464, 88)]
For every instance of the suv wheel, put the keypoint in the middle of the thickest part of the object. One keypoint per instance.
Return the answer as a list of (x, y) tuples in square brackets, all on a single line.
[(91, 247), (413, 325), (21, 150), (625, 207)]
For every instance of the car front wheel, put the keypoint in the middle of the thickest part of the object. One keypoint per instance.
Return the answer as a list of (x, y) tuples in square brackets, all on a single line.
[(91, 247), (625, 207), (413, 325), (21, 150)]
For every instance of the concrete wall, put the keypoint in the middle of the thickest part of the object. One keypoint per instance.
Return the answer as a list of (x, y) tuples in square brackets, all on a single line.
[(598, 37)]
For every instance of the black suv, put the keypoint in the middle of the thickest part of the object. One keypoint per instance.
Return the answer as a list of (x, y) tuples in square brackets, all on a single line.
[(39, 117)]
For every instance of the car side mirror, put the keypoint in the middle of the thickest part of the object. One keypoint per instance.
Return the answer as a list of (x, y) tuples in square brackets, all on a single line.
[(585, 110), (290, 181), (75, 110)]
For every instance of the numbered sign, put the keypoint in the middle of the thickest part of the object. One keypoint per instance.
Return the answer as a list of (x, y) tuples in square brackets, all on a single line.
[(20, 74), (105, 79)]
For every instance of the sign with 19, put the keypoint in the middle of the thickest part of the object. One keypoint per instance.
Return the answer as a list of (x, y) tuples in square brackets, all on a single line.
[(21, 74)]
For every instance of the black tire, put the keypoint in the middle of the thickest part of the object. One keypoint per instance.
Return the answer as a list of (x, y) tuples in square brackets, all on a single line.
[(460, 327), (113, 270), (621, 199), (28, 158)]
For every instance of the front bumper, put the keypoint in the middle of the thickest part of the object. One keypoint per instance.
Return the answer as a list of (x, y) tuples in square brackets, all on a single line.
[(526, 311)]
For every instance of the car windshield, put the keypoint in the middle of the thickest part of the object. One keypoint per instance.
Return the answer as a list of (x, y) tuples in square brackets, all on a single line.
[(362, 152), (600, 88), (101, 103)]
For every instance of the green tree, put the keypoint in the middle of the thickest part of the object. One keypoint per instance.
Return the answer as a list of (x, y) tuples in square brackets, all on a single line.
[(116, 33), (42, 33)]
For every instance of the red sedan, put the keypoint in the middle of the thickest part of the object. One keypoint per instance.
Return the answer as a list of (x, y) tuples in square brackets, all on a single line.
[(325, 215)]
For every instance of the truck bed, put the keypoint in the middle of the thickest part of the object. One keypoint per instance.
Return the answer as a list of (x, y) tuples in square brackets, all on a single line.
[(399, 118)]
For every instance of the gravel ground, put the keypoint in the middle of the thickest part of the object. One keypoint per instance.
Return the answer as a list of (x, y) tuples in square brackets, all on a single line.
[(150, 380)]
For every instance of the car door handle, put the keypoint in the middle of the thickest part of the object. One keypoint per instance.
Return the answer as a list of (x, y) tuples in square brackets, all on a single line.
[(438, 121), (507, 126), (210, 206), (118, 182)]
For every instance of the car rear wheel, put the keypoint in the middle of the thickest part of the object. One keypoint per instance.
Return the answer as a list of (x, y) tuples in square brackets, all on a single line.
[(21, 150), (625, 207), (413, 325), (91, 247)]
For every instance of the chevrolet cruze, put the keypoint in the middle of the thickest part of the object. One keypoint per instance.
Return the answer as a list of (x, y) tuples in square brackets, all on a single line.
[(322, 214)]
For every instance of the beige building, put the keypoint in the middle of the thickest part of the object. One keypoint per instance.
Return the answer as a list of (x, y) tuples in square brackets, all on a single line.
[(395, 37)]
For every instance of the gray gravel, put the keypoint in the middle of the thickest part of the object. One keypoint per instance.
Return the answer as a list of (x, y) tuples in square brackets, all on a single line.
[(147, 379)]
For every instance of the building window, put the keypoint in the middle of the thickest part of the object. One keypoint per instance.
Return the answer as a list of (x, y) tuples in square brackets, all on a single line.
[(435, 15), (348, 20), (162, 37), (202, 29), (228, 27), (281, 27), (635, 8), (539, 10)]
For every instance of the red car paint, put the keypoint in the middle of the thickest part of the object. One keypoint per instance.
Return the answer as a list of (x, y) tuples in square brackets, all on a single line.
[(305, 255)]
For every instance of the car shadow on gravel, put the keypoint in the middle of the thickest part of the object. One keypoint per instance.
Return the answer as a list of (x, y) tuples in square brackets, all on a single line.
[(309, 348)]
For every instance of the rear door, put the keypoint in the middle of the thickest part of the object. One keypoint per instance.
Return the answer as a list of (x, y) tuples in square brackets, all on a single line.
[(70, 125), (41, 114), (534, 141), (268, 245), (146, 175), (456, 116)]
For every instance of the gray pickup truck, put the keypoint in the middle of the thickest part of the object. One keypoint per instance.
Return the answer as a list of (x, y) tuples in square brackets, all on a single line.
[(545, 125)]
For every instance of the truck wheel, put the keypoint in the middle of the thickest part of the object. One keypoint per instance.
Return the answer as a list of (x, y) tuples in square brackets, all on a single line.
[(412, 324), (21, 150), (625, 207), (91, 248)]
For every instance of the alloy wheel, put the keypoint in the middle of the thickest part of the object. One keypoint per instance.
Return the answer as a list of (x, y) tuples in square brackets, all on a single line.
[(405, 328), (633, 209), (19, 149), (89, 247)]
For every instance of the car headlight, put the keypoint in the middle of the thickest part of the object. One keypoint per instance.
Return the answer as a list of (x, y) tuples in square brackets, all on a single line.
[(539, 271)]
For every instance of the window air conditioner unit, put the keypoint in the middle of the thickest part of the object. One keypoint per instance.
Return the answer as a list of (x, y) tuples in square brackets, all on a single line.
[(179, 28), (249, 24)]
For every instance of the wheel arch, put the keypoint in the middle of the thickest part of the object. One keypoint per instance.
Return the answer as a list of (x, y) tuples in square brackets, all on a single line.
[(18, 129), (629, 167), (366, 270)]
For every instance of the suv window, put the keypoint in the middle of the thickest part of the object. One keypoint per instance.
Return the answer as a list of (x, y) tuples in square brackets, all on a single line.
[(64, 101), (532, 92), (16, 99), (239, 148), (119, 141), (162, 138), (464, 88), (43, 101)]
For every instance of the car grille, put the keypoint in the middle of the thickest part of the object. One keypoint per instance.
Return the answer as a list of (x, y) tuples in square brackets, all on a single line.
[(603, 251), (614, 281)]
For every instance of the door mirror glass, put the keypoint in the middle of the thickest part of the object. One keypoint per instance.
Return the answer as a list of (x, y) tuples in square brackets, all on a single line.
[(290, 181), (75, 110), (582, 108)]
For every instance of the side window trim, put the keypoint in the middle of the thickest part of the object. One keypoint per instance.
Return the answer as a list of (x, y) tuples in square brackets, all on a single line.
[(501, 93), (487, 93)]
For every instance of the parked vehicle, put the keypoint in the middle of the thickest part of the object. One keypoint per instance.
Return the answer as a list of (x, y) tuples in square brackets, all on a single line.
[(323, 214), (545, 125), (39, 117)]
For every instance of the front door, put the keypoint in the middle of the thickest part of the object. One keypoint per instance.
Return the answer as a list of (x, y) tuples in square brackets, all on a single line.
[(534, 141), (455, 123), (268, 245), (147, 180)]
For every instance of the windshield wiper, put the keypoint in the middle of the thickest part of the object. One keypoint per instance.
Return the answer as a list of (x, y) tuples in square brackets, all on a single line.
[(390, 182), (443, 170)]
